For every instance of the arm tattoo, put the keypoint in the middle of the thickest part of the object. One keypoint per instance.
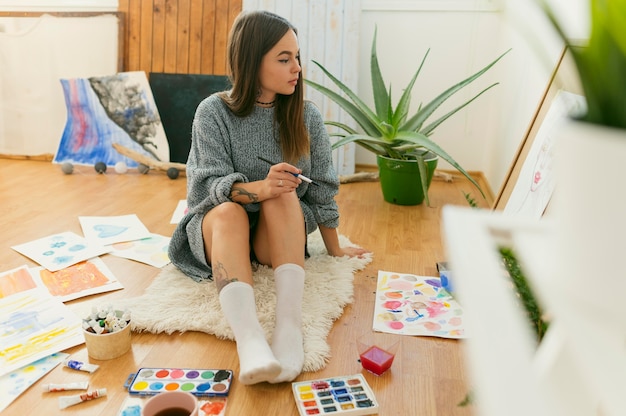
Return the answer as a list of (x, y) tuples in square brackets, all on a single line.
[(237, 191), (221, 278)]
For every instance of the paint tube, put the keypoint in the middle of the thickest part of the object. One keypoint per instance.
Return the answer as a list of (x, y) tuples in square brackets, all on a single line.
[(78, 365), (80, 385), (67, 401)]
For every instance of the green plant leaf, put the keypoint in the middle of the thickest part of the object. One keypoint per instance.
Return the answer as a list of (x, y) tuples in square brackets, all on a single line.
[(402, 109), (421, 166), (432, 126), (368, 124), (418, 119), (341, 126), (382, 98), (601, 64)]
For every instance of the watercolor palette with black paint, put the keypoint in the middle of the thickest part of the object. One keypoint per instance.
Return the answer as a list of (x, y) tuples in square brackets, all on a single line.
[(199, 382), (345, 395)]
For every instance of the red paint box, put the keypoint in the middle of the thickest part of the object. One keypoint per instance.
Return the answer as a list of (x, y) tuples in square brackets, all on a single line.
[(376, 360), (377, 351)]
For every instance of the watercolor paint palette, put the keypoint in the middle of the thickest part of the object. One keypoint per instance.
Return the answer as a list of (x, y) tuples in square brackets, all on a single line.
[(199, 382), (345, 395)]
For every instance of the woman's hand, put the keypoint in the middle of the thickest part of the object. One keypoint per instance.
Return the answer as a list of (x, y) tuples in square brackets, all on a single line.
[(351, 252), (331, 241), (281, 179)]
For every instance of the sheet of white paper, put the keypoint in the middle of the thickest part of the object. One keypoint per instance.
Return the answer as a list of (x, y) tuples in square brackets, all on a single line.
[(59, 251), (33, 325), (535, 183), (407, 304), (83, 279), (18, 381), (179, 212), (114, 229), (151, 250)]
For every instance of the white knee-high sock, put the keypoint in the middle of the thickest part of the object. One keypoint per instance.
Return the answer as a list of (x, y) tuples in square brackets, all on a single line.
[(287, 338), (256, 360)]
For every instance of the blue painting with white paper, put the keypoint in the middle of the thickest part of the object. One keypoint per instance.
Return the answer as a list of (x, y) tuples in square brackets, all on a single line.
[(58, 251), (111, 109), (113, 229)]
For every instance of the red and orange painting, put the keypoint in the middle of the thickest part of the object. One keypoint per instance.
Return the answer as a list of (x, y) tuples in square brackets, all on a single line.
[(15, 281), (73, 279)]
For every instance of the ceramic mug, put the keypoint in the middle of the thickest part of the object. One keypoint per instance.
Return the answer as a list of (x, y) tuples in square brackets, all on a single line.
[(171, 403)]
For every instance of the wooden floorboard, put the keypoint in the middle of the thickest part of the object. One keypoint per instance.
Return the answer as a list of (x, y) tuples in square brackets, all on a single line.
[(427, 378)]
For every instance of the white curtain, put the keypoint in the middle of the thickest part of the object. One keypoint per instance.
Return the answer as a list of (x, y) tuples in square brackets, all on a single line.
[(328, 32)]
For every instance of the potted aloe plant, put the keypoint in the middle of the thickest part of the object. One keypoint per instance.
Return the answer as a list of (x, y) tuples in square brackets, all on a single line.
[(405, 154)]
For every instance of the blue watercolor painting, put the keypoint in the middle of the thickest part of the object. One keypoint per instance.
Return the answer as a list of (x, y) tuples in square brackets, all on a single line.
[(59, 251), (109, 230), (105, 110), (33, 325), (15, 383)]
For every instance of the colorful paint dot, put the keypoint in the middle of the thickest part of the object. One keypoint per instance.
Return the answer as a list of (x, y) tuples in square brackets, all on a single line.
[(177, 373), (193, 374), (162, 373), (393, 295), (400, 285), (396, 325), (204, 387), (156, 386), (146, 373), (219, 387), (432, 326), (207, 375), (187, 386), (142, 385), (392, 304), (171, 386), (213, 408)]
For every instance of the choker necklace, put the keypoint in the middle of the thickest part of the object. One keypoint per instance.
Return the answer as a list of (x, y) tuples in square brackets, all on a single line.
[(262, 103)]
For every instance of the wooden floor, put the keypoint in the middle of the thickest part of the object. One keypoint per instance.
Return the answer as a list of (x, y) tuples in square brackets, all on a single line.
[(428, 377)]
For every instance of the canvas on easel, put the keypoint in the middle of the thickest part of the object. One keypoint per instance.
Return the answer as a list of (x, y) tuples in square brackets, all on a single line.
[(524, 185), (107, 110)]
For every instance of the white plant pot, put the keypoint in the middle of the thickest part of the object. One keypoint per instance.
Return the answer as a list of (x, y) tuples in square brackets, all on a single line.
[(589, 212)]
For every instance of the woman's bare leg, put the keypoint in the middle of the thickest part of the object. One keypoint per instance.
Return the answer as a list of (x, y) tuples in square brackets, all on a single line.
[(226, 240), (279, 241)]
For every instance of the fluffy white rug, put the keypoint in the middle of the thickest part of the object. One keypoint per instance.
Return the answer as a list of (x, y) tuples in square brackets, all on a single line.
[(175, 303)]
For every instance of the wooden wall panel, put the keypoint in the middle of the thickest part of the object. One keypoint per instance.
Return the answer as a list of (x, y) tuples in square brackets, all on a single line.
[(177, 36)]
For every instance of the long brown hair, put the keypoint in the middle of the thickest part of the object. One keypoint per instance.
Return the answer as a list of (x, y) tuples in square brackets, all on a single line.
[(252, 36)]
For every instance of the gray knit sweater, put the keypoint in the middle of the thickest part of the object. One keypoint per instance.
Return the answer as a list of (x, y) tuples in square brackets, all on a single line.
[(224, 150)]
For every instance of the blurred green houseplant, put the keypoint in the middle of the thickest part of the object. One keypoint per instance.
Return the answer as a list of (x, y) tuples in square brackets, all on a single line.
[(601, 63), (396, 133)]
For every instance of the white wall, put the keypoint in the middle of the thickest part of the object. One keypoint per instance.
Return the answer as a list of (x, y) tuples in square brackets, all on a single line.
[(58, 5), (463, 36)]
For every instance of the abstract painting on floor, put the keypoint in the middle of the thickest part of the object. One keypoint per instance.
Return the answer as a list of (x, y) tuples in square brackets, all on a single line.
[(58, 251), (33, 325), (407, 304)]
